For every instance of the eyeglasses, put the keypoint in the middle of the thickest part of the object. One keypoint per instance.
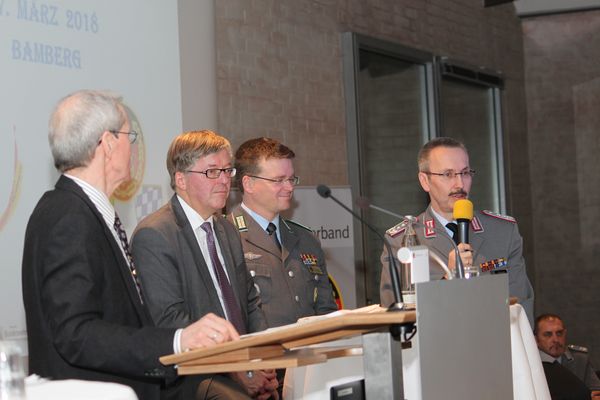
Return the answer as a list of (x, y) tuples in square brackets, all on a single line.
[(295, 180), (132, 135), (214, 173), (450, 175)]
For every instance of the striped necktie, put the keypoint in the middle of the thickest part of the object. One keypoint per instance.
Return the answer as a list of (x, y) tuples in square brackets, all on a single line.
[(118, 226)]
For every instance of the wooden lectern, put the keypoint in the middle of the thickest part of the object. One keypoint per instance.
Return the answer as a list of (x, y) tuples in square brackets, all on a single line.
[(462, 348), (284, 347)]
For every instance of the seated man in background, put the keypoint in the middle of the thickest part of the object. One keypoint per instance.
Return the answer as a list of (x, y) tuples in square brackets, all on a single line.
[(191, 260), (85, 309), (551, 337)]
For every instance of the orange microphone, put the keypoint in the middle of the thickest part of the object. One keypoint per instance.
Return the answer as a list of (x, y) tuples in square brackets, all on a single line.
[(463, 214)]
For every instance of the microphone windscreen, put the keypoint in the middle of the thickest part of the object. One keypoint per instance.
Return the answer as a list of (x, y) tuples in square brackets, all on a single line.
[(324, 191), (463, 209)]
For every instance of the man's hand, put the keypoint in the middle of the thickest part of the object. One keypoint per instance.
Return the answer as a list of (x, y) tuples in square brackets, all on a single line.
[(262, 384), (208, 331), (595, 394), (466, 255)]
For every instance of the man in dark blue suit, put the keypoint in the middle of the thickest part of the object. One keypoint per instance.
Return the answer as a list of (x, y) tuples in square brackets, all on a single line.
[(85, 309)]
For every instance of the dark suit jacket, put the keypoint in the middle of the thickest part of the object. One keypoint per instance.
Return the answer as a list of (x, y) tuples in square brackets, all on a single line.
[(175, 276), (84, 316), (563, 384)]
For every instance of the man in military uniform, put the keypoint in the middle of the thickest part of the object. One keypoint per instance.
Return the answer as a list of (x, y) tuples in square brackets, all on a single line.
[(284, 257), (551, 337), (496, 245)]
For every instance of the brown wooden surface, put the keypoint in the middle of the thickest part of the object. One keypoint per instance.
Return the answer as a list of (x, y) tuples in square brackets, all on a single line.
[(354, 324), (246, 354), (295, 358), (324, 337), (339, 351)]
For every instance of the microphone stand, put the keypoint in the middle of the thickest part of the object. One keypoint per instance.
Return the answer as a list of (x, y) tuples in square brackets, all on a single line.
[(460, 269), (396, 330)]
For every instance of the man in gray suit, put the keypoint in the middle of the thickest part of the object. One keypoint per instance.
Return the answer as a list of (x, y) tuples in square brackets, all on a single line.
[(191, 261), (284, 257), (496, 245)]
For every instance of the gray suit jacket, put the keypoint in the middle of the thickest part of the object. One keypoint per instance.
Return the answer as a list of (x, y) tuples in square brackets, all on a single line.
[(293, 283), (492, 238), (175, 278), (577, 360)]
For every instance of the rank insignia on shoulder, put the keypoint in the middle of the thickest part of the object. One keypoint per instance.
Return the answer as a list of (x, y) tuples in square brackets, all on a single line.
[(311, 262), (240, 222), (252, 256), (493, 264), (579, 349), (397, 229), (298, 225), (498, 216)]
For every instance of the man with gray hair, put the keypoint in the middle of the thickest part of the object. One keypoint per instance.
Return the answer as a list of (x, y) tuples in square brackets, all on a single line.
[(191, 260), (85, 308), (496, 245)]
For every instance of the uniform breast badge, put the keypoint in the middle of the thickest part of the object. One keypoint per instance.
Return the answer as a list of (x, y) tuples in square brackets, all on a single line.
[(252, 256), (311, 262), (493, 264)]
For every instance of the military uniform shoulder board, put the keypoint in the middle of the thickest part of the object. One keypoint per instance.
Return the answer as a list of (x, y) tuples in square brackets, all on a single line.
[(499, 216), (240, 222), (298, 225), (397, 229), (579, 349)]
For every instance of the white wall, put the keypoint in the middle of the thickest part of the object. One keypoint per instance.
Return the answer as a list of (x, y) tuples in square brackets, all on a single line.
[(131, 47)]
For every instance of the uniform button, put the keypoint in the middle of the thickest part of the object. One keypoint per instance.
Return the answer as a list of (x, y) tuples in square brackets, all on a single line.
[(252, 273), (316, 277), (291, 274), (296, 298)]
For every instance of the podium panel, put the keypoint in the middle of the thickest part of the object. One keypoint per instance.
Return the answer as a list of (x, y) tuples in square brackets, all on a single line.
[(464, 346)]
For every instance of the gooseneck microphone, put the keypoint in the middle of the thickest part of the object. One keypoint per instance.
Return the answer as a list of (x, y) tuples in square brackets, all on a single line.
[(364, 203), (463, 214), (325, 192)]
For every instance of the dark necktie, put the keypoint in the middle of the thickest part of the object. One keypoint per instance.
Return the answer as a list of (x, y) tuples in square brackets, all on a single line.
[(454, 228), (233, 309), (125, 244), (272, 231)]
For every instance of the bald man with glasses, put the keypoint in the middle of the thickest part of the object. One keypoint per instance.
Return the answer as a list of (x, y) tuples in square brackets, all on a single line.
[(284, 257), (496, 245)]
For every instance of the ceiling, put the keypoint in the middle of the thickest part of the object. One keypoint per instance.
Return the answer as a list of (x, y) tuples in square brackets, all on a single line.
[(536, 7)]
